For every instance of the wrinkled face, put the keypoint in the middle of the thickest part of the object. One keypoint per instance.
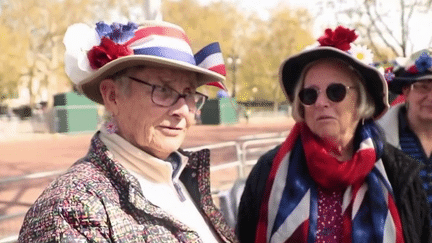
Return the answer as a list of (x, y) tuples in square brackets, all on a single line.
[(156, 130), (328, 119), (419, 98)]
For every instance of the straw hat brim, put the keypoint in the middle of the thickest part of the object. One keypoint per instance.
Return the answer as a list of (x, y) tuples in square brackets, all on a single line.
[(292, 68), (90, 85)]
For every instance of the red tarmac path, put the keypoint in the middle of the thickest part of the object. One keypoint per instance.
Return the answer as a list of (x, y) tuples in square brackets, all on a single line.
[(46, 152)]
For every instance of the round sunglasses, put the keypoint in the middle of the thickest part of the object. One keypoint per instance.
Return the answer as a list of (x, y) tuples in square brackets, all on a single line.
[(335, 92)]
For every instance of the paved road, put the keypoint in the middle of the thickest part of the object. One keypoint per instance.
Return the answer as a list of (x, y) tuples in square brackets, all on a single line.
[(32, 153), (35, 152)]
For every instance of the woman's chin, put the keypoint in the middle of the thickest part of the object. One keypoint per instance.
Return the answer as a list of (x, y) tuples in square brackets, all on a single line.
[(327, 133)]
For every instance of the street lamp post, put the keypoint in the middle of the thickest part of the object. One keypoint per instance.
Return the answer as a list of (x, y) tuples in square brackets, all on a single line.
[(234, 62)]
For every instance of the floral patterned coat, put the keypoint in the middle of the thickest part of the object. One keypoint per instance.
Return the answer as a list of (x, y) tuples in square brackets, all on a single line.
[(97, 200)]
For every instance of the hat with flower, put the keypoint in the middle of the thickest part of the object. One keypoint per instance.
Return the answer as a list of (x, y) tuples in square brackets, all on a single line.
[(338, 44), (94, 54), (415, 68)]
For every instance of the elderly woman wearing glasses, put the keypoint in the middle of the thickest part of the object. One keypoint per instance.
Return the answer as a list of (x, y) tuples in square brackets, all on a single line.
[(408, 125), (334, 179), (135, 185)]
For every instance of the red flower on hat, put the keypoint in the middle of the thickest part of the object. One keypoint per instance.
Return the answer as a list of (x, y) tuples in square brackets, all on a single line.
[(340, 38), (107, 51), (388, 74), (413, 69)]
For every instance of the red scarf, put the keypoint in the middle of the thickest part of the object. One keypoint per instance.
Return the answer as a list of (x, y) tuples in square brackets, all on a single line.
[(289, 206), (329, 172)]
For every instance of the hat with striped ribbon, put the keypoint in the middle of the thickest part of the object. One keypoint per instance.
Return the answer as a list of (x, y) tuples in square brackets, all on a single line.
[(94, 54)]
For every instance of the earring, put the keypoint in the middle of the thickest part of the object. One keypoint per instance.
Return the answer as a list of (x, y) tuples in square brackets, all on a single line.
[(111, 126)]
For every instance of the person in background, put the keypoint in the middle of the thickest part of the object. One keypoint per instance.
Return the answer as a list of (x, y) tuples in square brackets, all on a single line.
[(408, 125), (335, 178), (135, 184)]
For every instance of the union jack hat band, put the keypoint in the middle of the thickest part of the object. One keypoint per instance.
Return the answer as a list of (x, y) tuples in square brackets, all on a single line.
[(93, 54)]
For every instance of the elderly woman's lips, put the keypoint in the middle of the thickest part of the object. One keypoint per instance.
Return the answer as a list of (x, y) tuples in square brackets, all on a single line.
[(172, 131), (175, 128), (324, 117)]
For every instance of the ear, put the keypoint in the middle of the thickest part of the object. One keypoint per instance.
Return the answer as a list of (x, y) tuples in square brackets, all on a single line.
[(109, 92)]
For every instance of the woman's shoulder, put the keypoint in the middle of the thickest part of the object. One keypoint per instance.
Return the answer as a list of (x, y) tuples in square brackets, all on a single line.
[(84, 171), (260, 171), (398, 157), (82, 176), (70, 201), (266, 160), (82, 183), (399, 166), (391, 115), (389, 124)]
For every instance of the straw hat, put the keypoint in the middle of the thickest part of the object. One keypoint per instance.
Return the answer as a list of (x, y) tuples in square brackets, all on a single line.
[(93, 54), (337, 44)]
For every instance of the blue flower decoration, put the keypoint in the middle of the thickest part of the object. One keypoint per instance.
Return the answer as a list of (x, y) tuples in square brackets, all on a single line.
[(117, 32), (423, 62), (103, 29)]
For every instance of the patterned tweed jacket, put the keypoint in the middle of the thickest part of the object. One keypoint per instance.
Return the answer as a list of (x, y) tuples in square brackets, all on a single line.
[(97, 200)]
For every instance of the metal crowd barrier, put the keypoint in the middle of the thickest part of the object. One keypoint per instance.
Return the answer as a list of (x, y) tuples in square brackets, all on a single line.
[(257, 147), (236, 163), (246, 147)]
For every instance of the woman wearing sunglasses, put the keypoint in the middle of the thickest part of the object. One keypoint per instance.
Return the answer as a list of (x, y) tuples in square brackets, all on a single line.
[(334, 179), (408, 125)]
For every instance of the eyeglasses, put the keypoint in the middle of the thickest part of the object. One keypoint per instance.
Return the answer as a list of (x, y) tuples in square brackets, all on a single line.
[(335, 92), (422, 87), (166, 96)]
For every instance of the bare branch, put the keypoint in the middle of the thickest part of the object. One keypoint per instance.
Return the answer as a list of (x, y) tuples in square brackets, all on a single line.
[(374, 47), (382, 22), (378, 32)]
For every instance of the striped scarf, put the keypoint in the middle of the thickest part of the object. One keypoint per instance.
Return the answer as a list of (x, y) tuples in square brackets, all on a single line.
[(368, 207)]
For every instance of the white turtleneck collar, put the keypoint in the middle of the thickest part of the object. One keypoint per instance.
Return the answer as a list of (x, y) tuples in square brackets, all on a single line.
[(137, 161), (158, 183)]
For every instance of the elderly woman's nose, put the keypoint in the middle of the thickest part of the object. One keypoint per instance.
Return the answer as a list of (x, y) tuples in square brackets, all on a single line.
[(181, 107), (322, 99)]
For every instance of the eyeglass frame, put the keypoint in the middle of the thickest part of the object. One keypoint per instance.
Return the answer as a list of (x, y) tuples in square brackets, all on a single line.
[(318, 91), (428, 84), (179, 95)]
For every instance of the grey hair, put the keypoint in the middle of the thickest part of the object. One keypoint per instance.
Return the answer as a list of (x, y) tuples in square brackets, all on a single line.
[(121, 78), (124, 83), (366, 104)]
